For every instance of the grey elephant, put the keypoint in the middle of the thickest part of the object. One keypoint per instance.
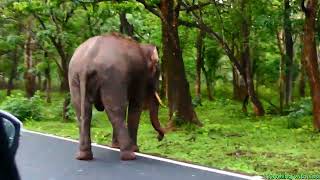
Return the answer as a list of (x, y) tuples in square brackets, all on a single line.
[(116, 75)]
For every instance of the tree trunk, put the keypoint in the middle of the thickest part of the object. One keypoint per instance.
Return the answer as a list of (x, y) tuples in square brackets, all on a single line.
[(47, 74), (125, 26), (288, 52), (65, 88), (29, 76), (199, 61), (164, 82), (310, 57), (302, 76), (66, 103), (239, 87), (64, 84), (245, 56), (13, 72), (282, 92), (3, 83), (39, 79), (179, 97), (208, 82)]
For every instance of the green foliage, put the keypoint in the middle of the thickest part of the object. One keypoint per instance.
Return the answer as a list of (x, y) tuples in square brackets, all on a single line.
[(70, 110), (297, 111), (24, 108)]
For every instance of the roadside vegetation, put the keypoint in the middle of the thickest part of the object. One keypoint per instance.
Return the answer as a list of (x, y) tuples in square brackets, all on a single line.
[(229, 139)]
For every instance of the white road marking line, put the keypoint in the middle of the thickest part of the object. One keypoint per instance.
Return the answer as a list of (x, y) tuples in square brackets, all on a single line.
[(157, 158)]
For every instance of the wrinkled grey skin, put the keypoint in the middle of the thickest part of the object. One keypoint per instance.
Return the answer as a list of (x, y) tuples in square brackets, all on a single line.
[(115, 74)]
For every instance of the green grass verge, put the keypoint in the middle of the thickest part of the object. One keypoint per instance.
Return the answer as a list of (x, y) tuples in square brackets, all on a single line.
[(228, 140)]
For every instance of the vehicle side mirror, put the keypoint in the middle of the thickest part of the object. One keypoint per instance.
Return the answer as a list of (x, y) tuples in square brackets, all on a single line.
[(12, 126)]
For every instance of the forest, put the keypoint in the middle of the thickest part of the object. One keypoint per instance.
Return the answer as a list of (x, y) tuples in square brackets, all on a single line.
[(240, 80)]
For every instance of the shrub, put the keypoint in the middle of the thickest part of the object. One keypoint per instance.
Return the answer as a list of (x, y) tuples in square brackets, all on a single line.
[(24, 108), (297, 111)]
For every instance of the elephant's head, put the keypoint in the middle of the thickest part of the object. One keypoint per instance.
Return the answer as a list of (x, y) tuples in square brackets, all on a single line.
[(152, 100)]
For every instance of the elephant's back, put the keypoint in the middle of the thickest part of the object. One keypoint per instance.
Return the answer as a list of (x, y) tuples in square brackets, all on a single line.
[(109, 54)]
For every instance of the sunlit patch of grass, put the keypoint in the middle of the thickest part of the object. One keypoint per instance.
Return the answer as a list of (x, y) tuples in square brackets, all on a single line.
[(228, 140)]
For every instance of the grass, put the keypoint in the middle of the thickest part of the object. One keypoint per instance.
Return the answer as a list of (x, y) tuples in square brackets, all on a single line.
[(228, 140)]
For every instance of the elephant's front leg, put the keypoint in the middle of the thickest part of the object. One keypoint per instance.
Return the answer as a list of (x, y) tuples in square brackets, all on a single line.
[(134, 112)]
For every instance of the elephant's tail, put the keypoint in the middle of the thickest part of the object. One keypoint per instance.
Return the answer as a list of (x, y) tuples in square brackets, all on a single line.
[(83, 86)]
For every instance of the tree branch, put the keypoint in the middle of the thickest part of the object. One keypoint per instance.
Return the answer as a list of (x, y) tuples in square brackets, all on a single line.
[(201, 25), (69, 14), (196, 7), (153, 9)]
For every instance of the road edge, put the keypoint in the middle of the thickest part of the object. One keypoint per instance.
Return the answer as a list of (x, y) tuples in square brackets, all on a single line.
[(218, 171)]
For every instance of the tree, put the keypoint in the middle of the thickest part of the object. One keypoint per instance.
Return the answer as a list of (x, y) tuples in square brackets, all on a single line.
[(179, 98), (288, 52), (310, 8), (29, 74), (199, 64), (302, 80), (245, 72)]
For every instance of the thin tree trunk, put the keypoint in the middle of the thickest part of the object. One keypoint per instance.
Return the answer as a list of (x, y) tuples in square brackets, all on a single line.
[(199, 61), (245, 56), (239, 87), (310, 57), (47, 74), (66, 103), (208, 78), (64, 84), (3, 83), (282, 92), (208, 82), (125, 26), (164, 82), (302, 77), (39, 79), (44, 84), (179, 97), (288, 52), (13, 72), (29, 76)]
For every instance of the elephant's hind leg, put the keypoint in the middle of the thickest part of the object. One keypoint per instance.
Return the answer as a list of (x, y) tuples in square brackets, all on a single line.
[(85, 152), (114, 101), (134, 112), (117, 119)]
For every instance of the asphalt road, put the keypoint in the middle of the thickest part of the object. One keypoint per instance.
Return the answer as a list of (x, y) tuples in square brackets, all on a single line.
[(43, 157)]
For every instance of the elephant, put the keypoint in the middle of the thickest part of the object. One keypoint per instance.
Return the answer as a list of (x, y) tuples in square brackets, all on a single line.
[(119, 76)]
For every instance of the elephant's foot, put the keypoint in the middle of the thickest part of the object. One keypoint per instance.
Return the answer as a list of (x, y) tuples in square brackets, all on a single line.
[(135, 148), (115, 145), (127, 155), (84, 155)]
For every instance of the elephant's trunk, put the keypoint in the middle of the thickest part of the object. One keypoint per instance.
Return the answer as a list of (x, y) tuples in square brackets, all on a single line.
[(153, 112)]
